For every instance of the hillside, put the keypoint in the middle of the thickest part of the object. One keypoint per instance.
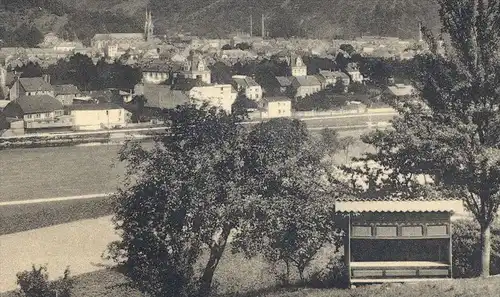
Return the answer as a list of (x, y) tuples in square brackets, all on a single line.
[(212, 18)]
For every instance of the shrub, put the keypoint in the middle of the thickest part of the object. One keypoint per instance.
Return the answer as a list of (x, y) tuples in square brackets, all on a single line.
[(35, 283), (467, 249), (334, 275)]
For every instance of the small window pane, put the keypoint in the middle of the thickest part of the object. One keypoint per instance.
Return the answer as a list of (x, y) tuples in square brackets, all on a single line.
[(412, 231), (387, 231), (361, 231), (437, 230)]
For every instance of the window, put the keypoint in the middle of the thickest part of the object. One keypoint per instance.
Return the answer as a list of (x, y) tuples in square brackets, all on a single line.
[(361, 231), (412, 231), (48, 115), (387, 231), (37, 116), (437, 230), (28, 116)]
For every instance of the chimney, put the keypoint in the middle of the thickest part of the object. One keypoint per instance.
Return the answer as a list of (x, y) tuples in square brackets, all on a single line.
[(251, 25)]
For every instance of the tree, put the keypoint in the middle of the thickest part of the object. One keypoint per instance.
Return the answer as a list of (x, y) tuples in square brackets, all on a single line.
[(292, 220), (242, 104), (30, 70), (357, 88), (204, 179), (138, 101), (82, 71), (221, 73), (339, 87), (243, 46), (226, 47), (190, 193), (450, 135), (347, 48)]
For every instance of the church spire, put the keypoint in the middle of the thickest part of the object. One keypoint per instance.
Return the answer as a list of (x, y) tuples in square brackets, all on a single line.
[(148, 25)]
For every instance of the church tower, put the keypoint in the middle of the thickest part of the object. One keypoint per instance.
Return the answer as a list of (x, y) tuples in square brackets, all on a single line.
[(148, 26)]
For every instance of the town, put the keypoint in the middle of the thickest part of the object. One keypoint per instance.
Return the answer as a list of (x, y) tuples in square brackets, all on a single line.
[(125, 78), (259, 149)]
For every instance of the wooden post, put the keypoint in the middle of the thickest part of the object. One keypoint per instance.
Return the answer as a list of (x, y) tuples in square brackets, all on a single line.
[(347, 249), (450, 231)]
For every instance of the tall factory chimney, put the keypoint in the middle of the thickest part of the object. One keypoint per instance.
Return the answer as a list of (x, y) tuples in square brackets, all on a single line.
[(263, 28), (251, 26)]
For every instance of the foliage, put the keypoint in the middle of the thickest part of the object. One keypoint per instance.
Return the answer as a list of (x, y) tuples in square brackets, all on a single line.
[(242, 104), (25, 35), (221, 73), (266, 72), (284, 24), (315, 64), (139, 101), (347, 48), (226, 47), (209, 177), (31, 69), (450, 134), (334, 275), (35, 283), (291, 220), (81, 71), (322, 100), (189, 194), (467, 249), (357, 88)]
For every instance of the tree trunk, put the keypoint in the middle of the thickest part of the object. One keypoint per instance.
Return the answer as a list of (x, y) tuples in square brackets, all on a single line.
[(485, 250), (215, 255)]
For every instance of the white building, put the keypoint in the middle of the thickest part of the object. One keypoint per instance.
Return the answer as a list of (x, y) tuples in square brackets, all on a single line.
[(222, 96), (195, 67), (155, 73), (98, 116), (353, 71), (297, 66), (306, 85), (252, 89), (277, 107)]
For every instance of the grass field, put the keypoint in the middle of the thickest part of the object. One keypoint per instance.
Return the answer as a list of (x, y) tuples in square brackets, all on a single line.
[(253, 278)]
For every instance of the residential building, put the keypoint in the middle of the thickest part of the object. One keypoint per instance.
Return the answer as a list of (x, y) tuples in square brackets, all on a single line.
[(331, 77), (297, 66), (222, 96), (97, 116), (161, 96), (306, 85), (353, 72), (31, 86), (251, 88), (155, 73), (399, 91), (39, 112), (196, 68), (277, 107), (285, 83), (66, 93)]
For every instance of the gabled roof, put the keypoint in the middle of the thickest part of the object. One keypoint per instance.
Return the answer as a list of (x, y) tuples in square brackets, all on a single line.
[(245, 81), (118, 36), (38, 104), (400, 90), (327, 74), (308, 80), (33, 84), (284, 81), (276, 99), (162, 97), (66, 90), (93, 106), (156, 66)]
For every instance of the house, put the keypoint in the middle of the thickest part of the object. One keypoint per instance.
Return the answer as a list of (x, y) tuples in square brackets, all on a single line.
[(97, 116), (251, 88), (394, 240), (297, 66), (399, 92), (277, 107), (195, 67), (161, 96), (305, 85), (285, 83), (331, 77), (155, 73), (66, 93), (31, 86), (352, 70), (222, 96), (39, 112)]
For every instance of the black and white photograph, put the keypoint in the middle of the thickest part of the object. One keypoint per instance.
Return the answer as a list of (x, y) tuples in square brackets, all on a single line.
[(249, 148)]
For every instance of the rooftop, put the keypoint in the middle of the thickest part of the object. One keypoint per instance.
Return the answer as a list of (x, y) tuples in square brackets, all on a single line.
[(308, 80), (118, 36), (442, 205), (401, 90), (276, 99), (38, 104), (33, 84), (66, 90), (162, 96), (93, 106), (245, 81), (284, 81)]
